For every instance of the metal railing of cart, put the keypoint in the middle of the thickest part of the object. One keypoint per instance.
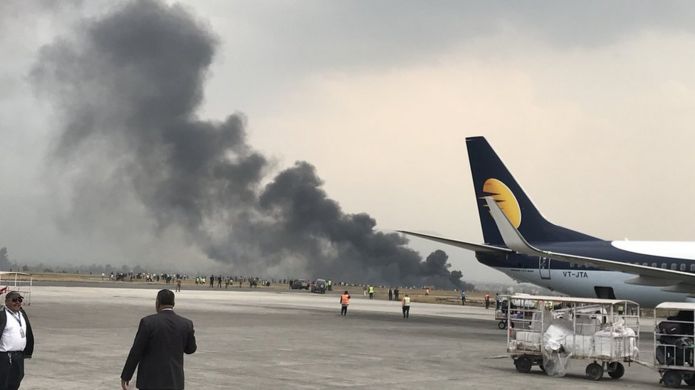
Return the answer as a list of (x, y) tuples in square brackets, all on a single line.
[(545, 331), (674, 335), (16, 281)]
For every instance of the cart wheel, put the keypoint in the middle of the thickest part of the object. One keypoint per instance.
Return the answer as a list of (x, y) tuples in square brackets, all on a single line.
[(594, 371), (616, 370), (689, 379), (672, 378), (502, 324), (523, 364)]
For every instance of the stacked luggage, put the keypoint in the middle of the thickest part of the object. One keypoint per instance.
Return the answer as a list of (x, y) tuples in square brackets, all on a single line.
[(675, 340)]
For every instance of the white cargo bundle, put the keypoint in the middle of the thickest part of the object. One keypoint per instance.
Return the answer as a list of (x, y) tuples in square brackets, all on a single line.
[(579, 345), (615, 344)]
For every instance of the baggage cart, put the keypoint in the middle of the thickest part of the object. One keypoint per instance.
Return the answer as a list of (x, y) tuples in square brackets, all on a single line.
[(504, 304), (501, 317), (548, 330), (673, 342)]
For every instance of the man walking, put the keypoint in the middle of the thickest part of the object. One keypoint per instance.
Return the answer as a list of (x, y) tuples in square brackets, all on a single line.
[(371, 292), (406, 306), (16, 341), (158, 349), (344, 302)]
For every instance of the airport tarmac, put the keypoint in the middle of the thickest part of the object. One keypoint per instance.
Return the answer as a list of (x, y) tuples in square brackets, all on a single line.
[(296, 340)]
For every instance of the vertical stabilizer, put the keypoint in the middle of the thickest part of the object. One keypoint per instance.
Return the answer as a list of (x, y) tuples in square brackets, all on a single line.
[(491, 178)]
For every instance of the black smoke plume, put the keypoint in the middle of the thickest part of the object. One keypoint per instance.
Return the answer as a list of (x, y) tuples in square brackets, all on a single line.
[(127, 88)]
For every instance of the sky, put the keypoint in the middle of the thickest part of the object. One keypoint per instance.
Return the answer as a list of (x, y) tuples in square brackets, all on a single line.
[(590, 105)]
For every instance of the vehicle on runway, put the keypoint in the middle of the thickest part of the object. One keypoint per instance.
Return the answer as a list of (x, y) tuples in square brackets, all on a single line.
[(318, 286), (299, 284), (520, 242), (503, 304)]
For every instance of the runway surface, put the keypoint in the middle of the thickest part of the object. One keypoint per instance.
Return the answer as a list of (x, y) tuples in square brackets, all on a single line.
[(295, 340)]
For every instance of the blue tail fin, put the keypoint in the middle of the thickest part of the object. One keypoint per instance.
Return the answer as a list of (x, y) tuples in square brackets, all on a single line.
[(491, 178)]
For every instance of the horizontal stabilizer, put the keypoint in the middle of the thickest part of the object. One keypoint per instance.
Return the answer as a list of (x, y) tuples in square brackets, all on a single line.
[(460, 244)]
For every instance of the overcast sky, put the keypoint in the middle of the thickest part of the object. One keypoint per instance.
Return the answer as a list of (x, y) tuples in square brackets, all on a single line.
[(590, 104)]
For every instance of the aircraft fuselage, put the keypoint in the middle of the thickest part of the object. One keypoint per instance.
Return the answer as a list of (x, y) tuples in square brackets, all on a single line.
[(580, 280)]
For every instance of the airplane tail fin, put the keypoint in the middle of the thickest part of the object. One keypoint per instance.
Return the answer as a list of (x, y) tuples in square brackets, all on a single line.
[(491, 178)]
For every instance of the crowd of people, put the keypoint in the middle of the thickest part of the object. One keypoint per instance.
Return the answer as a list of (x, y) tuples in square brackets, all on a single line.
[(227, 281), (219, 280), (201, 280), (143, 276)]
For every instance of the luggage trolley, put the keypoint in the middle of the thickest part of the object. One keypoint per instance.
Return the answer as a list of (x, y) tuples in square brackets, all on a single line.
[(501, 307), (673, 342), (547, 330), (501, 316), (504, 304)]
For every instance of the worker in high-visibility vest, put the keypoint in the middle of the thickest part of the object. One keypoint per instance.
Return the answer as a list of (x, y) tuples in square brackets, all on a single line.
[(344, 302), (406, 306), (371, 292)]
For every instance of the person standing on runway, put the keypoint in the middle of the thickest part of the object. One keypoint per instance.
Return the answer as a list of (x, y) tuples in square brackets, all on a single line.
[(16, 341), (406, 306), (158, 349), (344, 302)]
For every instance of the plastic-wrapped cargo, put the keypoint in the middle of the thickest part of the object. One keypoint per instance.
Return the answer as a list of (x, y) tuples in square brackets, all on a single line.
[(554, 336), (587, 325), (555, 356), (526, 341), (555, 363), (579, 345), (528, 337), (616, 344)]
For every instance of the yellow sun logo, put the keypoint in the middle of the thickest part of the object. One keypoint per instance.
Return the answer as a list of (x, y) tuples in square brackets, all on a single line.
[(505, 199)]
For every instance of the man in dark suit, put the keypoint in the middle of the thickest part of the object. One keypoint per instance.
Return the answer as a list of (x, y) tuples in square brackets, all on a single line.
[(158, 349)]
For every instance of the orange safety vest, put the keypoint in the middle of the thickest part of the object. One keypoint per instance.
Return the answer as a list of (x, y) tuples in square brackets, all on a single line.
[(345, 299)]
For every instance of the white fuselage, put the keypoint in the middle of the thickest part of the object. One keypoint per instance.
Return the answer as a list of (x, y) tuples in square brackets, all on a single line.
[(582, 282)]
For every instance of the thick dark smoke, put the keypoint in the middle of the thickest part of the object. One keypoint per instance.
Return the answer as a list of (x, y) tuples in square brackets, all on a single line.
[(127, 88)]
